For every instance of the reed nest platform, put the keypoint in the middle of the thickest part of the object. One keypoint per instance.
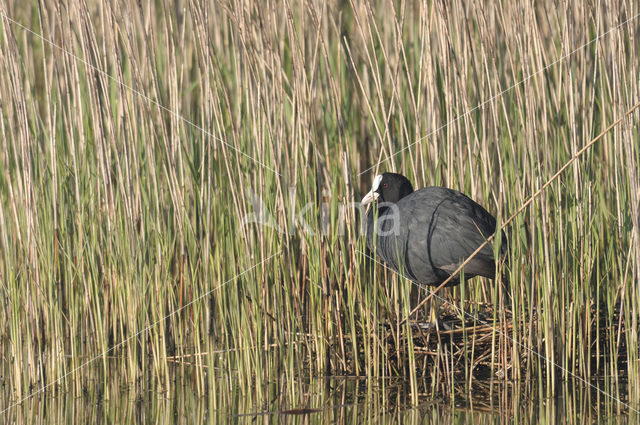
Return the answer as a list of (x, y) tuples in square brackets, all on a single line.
[(478, 341)]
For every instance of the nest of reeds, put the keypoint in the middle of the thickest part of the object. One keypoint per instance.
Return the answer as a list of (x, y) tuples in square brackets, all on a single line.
[(478, 342)]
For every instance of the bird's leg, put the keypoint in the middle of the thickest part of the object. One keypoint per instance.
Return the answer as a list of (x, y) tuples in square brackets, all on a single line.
[(434, 311), (435, 304)]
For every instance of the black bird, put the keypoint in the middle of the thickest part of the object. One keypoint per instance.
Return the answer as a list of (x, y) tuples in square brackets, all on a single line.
[(427, 234)]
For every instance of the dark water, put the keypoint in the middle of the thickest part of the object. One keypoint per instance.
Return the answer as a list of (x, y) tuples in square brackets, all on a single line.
[(321, 401)]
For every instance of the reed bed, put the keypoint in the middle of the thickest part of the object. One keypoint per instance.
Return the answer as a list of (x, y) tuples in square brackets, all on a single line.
[(153, 151)]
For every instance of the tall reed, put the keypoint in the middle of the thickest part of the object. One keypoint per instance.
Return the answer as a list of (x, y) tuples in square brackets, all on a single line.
[(136, 174)]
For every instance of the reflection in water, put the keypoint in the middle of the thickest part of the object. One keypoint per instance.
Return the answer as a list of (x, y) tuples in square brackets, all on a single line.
[(321, 401)]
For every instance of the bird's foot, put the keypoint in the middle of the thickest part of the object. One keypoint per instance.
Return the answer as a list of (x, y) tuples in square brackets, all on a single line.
[(435, 325)]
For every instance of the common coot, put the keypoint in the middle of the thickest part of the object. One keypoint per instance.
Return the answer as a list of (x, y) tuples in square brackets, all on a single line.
[(427, 234)]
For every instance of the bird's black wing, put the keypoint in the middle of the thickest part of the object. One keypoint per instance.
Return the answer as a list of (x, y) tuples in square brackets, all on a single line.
[(450, 229)]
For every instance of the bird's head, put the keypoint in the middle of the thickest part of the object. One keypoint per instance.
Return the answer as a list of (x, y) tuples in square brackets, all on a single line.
[(388, 187)]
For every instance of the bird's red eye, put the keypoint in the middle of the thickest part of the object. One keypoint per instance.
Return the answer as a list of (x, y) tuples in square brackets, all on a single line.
[(385, 185)]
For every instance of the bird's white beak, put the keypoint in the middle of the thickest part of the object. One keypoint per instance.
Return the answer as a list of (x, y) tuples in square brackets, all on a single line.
[(372, 195), (369, 198)]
